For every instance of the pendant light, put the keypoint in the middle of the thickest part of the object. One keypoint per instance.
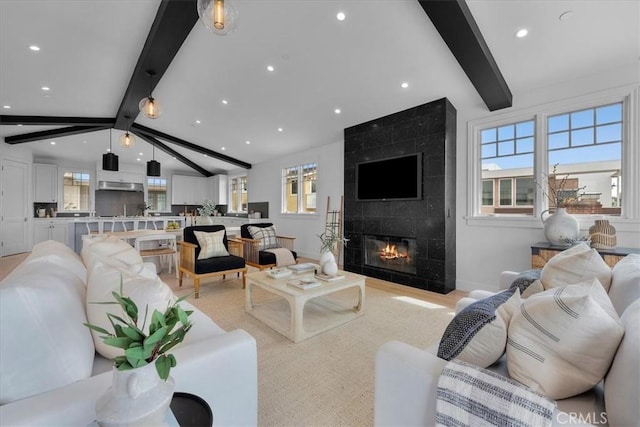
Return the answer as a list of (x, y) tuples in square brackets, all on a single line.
[(149, 106), (127, 140), (219, 16), (110, 160), (153, 167)]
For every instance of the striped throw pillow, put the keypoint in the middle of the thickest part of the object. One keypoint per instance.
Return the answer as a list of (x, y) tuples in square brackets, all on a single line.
[(266, 235), (211, 244)]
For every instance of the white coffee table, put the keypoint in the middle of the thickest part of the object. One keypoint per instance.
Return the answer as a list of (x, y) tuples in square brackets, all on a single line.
[(308, 313)]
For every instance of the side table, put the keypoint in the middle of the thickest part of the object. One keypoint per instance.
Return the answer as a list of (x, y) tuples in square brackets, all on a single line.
[(191, 410), (543, 251)]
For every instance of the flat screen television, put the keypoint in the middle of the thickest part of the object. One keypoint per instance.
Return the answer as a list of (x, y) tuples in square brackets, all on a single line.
[(394, 178)]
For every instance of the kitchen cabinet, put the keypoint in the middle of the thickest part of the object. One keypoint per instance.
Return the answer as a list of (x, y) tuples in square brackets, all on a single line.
[(50, 230), (189, 190), (111, 176), (218, 188), (46, 183)]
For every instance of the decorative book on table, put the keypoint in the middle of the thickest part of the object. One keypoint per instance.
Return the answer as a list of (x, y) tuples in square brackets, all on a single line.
[(304, 267), (279, 273), (328, 278), (304, 283)]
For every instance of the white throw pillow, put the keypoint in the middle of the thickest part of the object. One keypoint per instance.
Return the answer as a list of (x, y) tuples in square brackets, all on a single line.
[(145, 292), (211, 244), (109, 250), (622, 383), (575, 265), (562, 341), (625, 282), (478, 333), (266, 235), (43, 342)]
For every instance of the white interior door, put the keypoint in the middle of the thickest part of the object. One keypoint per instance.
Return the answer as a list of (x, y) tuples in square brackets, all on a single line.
[(14, 218)]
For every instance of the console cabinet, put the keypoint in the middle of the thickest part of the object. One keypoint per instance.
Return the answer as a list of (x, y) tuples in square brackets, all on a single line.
[(543, 252)]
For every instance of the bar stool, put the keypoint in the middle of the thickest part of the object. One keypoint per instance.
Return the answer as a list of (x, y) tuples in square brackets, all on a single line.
[(158, 245)]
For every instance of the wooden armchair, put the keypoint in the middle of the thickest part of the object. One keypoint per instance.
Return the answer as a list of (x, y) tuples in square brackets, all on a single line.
[(252, 253), (210, 267)]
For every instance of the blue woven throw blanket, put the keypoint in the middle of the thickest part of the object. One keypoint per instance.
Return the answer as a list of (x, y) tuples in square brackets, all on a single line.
[(472, 396)]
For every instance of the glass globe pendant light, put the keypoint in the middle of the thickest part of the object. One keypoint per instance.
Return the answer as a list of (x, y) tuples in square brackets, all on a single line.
[(127, 140), (149, 106), (219, 16)]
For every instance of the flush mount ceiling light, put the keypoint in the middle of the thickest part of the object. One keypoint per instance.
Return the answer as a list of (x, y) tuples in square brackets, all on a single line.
[(153, 167), (110, 160), (149, 106), (522, 33), (127, 140), (219, 16)]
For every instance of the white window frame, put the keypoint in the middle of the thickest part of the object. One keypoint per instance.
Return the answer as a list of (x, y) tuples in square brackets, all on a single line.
[(630, 217), (92, 178), (167, 195), (283, 194), (230, 193)]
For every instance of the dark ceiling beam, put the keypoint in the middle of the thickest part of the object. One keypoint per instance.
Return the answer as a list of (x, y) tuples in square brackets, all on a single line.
[(170, 151), (185, 144), (173, 23), (53, 133), (56, 121), (455, 23)]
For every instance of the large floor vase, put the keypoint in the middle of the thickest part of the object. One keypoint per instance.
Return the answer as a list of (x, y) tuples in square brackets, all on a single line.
[(138, 397), (560, 228)]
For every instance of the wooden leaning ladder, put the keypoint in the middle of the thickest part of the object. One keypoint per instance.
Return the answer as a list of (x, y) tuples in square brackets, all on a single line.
[(333, 224)]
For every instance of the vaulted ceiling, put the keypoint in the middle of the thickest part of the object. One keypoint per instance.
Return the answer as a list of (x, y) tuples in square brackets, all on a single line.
[(90, 53)]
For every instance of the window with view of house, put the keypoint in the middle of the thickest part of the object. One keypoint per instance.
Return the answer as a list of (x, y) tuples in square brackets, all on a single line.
[(238, 194), (299, 189), (580, 154), (76, 191), (157, 194)]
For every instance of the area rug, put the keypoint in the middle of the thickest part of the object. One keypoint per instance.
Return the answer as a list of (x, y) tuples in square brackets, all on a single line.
[(327, 380)]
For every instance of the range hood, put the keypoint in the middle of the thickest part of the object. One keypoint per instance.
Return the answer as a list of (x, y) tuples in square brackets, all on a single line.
[(120, 186)]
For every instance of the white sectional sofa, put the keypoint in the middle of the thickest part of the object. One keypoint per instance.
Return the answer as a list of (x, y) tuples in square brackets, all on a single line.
[(50, 373), (406, 377)]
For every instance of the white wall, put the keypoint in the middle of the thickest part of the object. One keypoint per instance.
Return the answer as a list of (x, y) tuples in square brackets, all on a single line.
[(265, 186), (483, 251)]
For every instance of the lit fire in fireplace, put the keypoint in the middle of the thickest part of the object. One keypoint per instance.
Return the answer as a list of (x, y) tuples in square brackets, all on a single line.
[(390, 252)]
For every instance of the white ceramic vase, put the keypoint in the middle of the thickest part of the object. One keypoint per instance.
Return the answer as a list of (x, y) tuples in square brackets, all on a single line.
[(138, 397), (560, 228), (204, 220), (326, 257)]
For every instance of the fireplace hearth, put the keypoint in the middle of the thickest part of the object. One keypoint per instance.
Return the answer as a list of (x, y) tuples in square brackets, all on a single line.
[(390, 253)]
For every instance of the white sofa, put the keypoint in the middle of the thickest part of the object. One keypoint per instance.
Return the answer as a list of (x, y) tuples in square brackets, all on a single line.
[(57, 378), (406, 377)]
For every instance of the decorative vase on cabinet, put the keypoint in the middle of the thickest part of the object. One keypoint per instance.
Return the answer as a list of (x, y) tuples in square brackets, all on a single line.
[(602, 235), (560, 228)]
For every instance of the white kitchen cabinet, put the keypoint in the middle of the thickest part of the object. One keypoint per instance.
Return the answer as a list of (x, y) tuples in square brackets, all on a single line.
[(189, 190), (50, 230), (46, 183), (218, 188), (111, 176)]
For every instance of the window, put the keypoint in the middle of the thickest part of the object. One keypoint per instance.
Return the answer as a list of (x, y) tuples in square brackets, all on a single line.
[(76, 191), (157, 194), (298, 198), (578, 152), (238, 194)]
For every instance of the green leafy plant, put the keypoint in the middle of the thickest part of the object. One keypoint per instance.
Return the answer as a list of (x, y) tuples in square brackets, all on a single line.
[(329, 239), (166, 330), (208, 208)]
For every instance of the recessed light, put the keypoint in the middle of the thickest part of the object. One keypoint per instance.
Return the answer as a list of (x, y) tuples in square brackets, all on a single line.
[(337, 111), (108, 150), (84, 142), (140, 154), (564, 16), (225, 102), (205, 155), (138, 159), (52, 143), (198, 122), (19, 124), (6, 107), (34, 48), (247, 142), (404, 85), (341, 16), (270, 67), (280, 129), (173, 158), (223, 148), (45, 88), (522, 32)]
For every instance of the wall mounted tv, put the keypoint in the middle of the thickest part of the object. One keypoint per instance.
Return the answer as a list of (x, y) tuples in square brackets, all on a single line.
[(395, 178)]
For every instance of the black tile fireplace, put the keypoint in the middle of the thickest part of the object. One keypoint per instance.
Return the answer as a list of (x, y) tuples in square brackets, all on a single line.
[(422, 229)]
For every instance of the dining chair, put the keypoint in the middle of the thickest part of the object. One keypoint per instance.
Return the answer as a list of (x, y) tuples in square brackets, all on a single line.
[(158, 245)]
